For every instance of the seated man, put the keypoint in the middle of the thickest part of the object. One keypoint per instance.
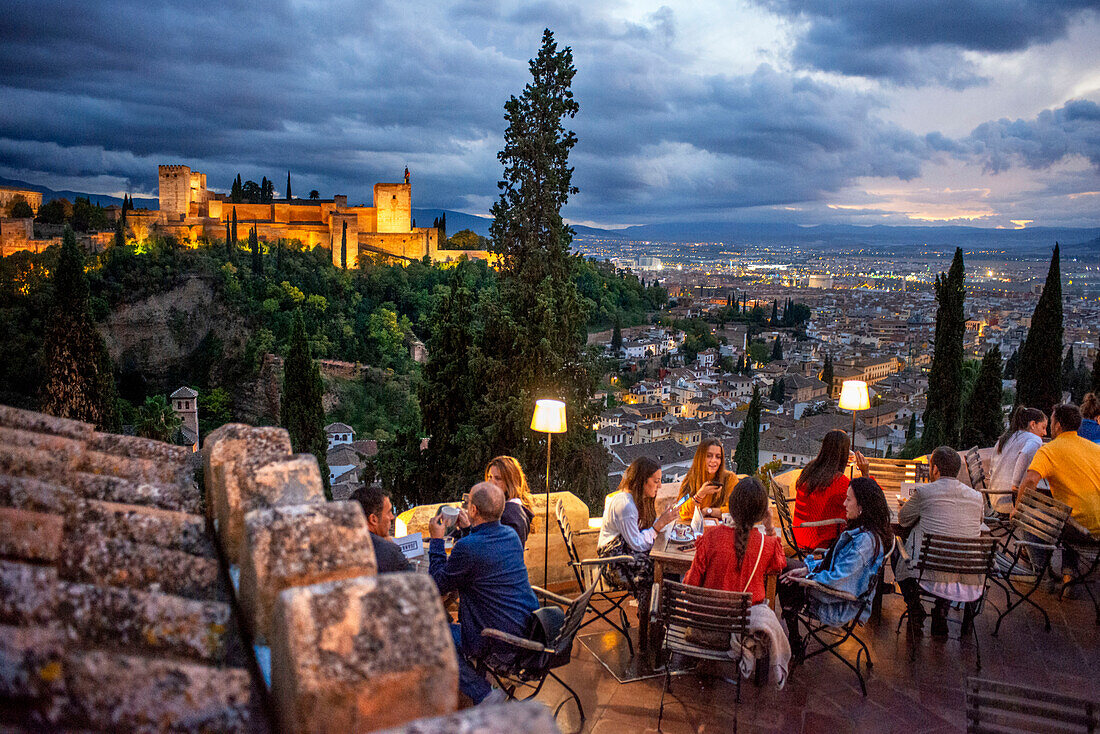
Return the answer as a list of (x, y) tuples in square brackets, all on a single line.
[(945, 506), (1071, 466), (378, 508), (486, 569)]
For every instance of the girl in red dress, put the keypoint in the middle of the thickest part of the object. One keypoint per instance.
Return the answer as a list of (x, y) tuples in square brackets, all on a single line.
[(821, 489)]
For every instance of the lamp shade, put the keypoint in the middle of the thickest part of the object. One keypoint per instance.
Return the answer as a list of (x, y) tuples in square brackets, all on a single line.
[(549, 416), (853, 395)]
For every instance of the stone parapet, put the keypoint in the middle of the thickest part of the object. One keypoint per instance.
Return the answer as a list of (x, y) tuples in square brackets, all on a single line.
[(516, 717), (28, 420), (101, 559), (28, 594), (362, 654), (178, 496), (26, 493), (235, 457), (179, 531), (300, 545), (34, 536)]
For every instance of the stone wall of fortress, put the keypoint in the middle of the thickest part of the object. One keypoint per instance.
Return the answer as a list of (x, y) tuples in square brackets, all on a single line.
[(189, 211)]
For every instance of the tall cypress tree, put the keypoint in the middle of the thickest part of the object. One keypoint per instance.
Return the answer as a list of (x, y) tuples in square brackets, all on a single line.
[(942, 417), (1095, 386), (257, 258), (300, 410), (1068, 367), (288, 185), (236, 193), (1039, 372), (228, 241), (911, 432), (747, 454), (120, 231), (775, 312), (777, 350), (983, 421), (233, 245), (77, 374), (535, 334), (344, 247), (616, 337), (1010, 365), (827, 375)]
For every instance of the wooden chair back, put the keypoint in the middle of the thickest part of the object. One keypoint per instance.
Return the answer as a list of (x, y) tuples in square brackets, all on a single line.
[(975, 469), (583, 578), (688, 611), (890, 473), (967, 556), (993, 707), (783, 511), (1042, 516)]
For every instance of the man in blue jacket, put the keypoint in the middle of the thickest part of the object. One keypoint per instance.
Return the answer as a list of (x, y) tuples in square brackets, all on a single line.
[(486, 569)]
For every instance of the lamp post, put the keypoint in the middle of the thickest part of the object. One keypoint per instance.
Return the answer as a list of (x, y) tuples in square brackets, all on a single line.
[(549, 418), (853, 397)]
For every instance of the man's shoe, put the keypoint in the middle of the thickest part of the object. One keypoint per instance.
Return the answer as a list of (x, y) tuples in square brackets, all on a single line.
[(497, 695)]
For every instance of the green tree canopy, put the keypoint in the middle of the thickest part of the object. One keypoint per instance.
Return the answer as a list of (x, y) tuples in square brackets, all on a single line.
[(156, 420), (747, 455), (983, 420), (942, 417), (301, 413)]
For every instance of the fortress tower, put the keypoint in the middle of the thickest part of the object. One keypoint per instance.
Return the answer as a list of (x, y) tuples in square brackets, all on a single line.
[(175, 192), (393, 204), (185, 404)]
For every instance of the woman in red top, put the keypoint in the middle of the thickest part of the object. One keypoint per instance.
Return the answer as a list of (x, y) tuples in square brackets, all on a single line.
[(821, 489), (737, 558)]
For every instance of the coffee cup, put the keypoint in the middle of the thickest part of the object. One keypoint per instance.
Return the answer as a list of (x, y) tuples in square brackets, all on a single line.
[(449, 514)]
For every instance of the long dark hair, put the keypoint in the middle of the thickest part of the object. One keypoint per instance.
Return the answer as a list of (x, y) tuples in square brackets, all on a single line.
[(1019, 421), (874, 516), (747, 505), (633, 481), (830, 461), (697, 474)]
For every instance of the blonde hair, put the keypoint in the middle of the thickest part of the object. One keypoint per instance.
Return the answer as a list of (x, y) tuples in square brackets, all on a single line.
[(511, 474), (697, 474)]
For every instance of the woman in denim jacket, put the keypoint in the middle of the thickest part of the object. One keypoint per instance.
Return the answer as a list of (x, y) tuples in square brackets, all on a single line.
[(850, 565)]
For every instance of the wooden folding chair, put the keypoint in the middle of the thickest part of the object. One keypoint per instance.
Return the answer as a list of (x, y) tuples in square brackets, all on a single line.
[(993, 707), (1087, 568), (787, 524), (1038, 524), (969, 557), (588, 571), (997, 522), (690, 614)]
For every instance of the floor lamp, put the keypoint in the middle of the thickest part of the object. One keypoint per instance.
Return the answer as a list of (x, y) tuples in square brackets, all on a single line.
[(853, 397), (549, 418)]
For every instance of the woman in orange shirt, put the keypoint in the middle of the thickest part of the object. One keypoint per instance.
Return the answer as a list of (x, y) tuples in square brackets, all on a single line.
[(821, 489), (708, 483)]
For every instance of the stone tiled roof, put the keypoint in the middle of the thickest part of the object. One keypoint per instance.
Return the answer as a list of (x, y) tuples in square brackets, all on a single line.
[(339, 428), (131, 599), (184, 393)]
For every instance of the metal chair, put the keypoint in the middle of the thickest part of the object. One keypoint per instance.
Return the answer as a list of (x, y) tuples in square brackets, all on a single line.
[(588, 571), (1042, 518), (993, 707), (787, 524), (535, 657), (969, 557), (1088, 558), (997, 522), (831, 637), (691, 612)]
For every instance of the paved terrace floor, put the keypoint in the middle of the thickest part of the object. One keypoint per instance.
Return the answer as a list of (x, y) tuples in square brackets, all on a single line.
[(822, 696)]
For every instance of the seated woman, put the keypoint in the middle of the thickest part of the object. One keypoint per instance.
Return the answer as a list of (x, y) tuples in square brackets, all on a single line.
[(737, 558), (630, 525), (821, 488), (506, 473), (1013, 453), (850, 565), (708, 483)]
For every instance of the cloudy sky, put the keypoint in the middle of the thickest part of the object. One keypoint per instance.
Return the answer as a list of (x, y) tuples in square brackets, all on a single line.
[(983, 112)]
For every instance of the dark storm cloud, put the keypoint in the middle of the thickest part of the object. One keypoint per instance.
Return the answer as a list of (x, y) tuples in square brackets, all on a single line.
[(918, 42), (1054, 135), (345, 94)]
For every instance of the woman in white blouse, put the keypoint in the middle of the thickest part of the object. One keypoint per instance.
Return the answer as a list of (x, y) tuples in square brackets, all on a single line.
[(630, 525), (1013, 454)]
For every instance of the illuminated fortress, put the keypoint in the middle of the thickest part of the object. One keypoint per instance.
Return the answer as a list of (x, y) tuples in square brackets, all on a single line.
[(189, 211)]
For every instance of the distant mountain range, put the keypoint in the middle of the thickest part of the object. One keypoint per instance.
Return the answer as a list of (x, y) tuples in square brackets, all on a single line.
[(1076, 242), (49, 194)]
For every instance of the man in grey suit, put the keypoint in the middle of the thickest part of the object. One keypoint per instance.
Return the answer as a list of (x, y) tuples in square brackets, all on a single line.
[(945, 506)]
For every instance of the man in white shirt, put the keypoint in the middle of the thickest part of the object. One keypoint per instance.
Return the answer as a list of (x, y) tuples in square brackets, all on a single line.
[(945, 506)]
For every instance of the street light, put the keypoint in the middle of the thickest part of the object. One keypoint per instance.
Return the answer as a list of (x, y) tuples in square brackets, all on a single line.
[(549, 418), (853, 397)]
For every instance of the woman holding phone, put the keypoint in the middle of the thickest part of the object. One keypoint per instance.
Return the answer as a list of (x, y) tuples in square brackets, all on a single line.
[(708, 483)]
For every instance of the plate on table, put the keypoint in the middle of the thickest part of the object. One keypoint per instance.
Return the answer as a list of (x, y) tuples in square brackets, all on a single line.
[(681, 534)]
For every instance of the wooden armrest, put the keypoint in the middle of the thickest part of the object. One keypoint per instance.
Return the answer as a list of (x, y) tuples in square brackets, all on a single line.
[(983, 490), (1070, 522), (556, 598), (1035, 544), (820, 523), (514, 641)]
